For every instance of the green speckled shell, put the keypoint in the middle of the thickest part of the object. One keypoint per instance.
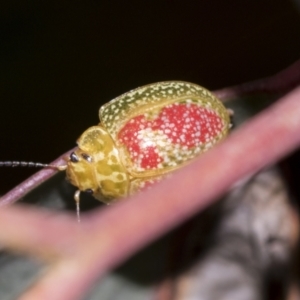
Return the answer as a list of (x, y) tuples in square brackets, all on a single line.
[(114, 114)]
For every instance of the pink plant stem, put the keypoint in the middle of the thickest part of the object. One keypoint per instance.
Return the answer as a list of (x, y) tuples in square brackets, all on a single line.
[(107, 237), (281, 82), (32, 182)]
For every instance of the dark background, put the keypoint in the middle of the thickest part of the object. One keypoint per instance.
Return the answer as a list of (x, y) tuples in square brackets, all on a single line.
[(60, 60)]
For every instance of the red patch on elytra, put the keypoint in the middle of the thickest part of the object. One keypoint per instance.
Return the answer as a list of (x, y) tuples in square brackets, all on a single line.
[(182, 124), (192, 124), (150, 159)]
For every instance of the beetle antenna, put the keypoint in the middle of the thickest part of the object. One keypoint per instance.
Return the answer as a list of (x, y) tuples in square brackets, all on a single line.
[(30, 164)]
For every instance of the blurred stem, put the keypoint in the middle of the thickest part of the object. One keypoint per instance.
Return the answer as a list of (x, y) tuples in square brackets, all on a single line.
[(85, 253)]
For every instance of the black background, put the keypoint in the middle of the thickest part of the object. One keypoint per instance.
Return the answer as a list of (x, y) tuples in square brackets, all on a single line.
[(60, 60)]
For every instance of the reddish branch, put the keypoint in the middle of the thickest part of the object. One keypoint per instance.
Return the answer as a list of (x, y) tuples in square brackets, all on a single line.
[(281, 82), (32, 182)]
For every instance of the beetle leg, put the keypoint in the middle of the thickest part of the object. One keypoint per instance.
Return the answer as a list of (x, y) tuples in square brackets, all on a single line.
[(77, 200)]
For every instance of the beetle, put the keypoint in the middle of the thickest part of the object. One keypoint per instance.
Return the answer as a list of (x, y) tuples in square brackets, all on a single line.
[(143, 136)]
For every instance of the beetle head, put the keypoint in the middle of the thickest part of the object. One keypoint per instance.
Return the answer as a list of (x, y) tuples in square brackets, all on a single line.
[(95, 166)]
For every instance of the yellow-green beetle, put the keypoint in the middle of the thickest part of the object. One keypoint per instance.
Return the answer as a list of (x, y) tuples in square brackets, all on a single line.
[(143, 135)]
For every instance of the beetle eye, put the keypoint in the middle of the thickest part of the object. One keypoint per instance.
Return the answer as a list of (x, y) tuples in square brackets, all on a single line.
[(74, 157), (89, 191), (87, 157)]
